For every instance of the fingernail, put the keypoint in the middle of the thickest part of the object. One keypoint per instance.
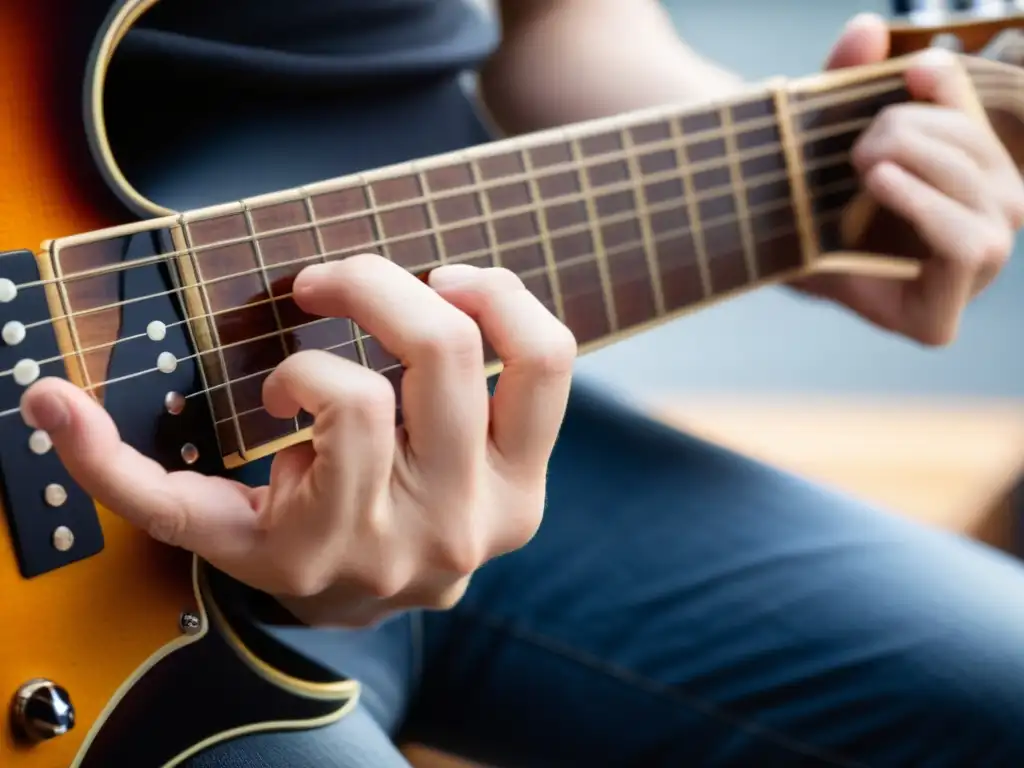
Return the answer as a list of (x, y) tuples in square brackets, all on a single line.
[(934, 57), (865, 19), (314, 271), (45, 411), (453, 276)]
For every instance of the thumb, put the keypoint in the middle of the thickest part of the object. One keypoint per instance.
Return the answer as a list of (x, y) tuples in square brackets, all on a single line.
[(130, 484), (865, 40), (89, 445)]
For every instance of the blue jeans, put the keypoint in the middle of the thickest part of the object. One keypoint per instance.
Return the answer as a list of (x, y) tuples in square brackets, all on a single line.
[(681, 605)]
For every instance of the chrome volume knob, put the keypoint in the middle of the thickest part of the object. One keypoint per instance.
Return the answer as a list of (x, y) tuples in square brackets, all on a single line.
[(42, 710)]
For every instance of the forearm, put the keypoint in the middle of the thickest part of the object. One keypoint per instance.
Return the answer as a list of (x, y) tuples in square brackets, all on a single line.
[(572, 60)]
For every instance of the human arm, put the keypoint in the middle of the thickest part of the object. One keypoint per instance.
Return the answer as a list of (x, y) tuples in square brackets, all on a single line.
[(570, 60), (933, 165)]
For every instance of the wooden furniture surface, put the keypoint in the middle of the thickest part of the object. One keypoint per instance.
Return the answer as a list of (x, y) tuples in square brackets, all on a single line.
[(953, 464), (948, 463)]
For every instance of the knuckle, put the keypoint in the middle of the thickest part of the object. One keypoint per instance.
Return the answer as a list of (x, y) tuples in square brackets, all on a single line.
[(459, 555), (383, 583), (372, 402), (456, 337), (887, 137), (446, 599), (522, 531), (168, 527), (556, 353), (302, 580), (1017, 210), (991, 246)]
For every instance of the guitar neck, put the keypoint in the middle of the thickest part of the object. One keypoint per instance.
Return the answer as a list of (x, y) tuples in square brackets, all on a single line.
[(615, 224)]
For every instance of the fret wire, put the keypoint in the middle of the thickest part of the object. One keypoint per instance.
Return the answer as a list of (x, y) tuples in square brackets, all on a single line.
[(711, 164), (542, 226), (215, 332), (322, 254), (762, 179), (612, 218), (644, 218), (739, 193), (832, 213), (843, 95), (693, 209), (485, 209), (796, 171), (582, 259), (534, 240), (374, 211), (259, 409), (435, 224), (175, 273), (534, 174), (611, 315), (70, 315), (258, 253)]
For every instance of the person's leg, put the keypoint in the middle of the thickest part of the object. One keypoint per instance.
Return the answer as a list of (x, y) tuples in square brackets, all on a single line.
[(681, 605), (385, 659)]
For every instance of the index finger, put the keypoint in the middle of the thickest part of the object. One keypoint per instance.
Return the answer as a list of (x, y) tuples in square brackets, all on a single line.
[(207, 515), (936, 75)]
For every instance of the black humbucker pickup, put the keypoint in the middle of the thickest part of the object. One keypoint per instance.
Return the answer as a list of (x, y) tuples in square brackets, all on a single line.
[(36, 525)]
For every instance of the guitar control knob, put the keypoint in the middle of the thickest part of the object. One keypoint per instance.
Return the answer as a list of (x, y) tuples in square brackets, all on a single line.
[(42, 710)]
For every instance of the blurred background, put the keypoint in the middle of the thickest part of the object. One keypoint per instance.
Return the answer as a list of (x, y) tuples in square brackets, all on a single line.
[(773, 340)]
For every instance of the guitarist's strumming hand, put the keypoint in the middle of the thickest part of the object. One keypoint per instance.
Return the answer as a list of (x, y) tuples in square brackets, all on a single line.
[(364, 519)]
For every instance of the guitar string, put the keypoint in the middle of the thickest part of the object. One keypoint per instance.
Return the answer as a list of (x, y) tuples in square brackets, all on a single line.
[(535, 208), (804, 107), (610, 252), (626, 216), (540, 271), (586, 259), (833, 161), (417, 203), (750, 127)]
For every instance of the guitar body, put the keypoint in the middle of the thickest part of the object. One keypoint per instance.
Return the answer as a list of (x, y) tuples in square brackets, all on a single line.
[(151, 651), (106, 622)]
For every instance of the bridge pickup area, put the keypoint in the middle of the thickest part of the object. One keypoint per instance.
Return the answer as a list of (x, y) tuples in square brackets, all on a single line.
[(52, 521), (122, 333)]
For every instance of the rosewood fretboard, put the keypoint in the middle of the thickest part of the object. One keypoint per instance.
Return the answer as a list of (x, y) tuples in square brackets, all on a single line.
[(614, 225)]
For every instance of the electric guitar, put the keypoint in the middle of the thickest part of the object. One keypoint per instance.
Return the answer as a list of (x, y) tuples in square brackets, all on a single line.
[(173, 322)]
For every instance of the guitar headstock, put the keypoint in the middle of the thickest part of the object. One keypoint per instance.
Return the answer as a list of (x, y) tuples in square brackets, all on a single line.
[(973, 30), (990, 37)]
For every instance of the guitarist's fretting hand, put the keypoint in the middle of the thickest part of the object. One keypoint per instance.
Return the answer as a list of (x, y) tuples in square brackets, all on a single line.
[(950, 195), (365, 519)]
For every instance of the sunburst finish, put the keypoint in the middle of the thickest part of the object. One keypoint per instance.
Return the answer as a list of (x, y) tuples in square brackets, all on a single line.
[(96, 626), (91, 625)]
